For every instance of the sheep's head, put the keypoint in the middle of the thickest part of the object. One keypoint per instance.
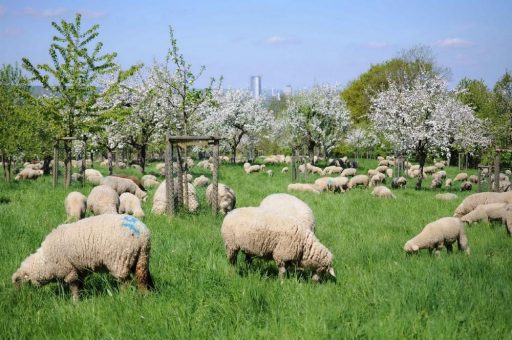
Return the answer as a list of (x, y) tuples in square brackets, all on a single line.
[(30, 271), (410, 247), (142, 195)]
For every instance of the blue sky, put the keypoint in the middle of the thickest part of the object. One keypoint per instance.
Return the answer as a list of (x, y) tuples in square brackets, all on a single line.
[(286, 42)]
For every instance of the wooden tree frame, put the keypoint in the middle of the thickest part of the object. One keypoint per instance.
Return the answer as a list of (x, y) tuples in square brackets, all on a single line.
[(170, 191), (55, 168)]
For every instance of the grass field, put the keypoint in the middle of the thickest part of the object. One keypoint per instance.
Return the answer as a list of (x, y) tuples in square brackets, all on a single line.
[(379, 293)]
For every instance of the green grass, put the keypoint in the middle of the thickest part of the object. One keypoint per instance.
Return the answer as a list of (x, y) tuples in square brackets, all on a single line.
[(379, 293)]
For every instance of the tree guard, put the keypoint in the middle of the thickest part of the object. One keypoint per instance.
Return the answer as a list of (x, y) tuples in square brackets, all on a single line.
[(67, 170), (171, 192)]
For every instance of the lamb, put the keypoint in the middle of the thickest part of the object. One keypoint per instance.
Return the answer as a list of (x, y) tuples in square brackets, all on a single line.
[(443, 232), (75, 205), (358, 180), (145, 177), (303, 187), (226, 198), (314, 169), (28, 173), (201, 181), (270, 173), (382, 168), (448, 183), (103, 200), (399, 182), (121, 185), (136, 167), (472, 201), (262, 233), (130, 204), (389, 173), (486, 212), (348, 172), (93, 176), (160, 199), (290, 206), (377, 179), (118, 243), (466, 186), (440, 174), (284, 170), (461, 177), (382, 192), (446, 197), (436, 183), (473, 179)]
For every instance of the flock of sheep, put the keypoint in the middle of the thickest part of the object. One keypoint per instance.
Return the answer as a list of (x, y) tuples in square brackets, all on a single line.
[(281, 228)]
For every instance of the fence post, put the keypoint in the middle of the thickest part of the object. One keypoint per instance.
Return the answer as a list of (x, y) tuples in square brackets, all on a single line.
[(55, 168), (215, 176), (169, 180), (497, 171)]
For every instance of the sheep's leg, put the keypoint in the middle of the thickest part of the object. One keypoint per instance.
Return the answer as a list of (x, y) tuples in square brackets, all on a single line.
[(142, 274), (463, 243), (282, 269), (232, 254), (509, 224), (449, 248), (248, 259), (74, 282)]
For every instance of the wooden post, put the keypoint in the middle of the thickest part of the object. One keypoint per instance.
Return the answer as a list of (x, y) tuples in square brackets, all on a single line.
[(169, 181), (55, 168), (84, 160), (294, 166), (179, 192), (215, 176), (497, 171)]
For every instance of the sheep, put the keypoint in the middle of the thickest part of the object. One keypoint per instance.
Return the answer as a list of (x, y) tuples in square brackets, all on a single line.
[(446, 197), (253, 168), (201, 181), (28, 173), (130, 204), (372, 172), (134, 179), (121, 185), (508, 172), (439, 165), (314, 169), (103, 200), (448, 183), (145, 177), (118, 243), (93, 176), (358, 180), (270, 173), (348, 172), (336, 184), (442, 232), (226, 198), (76, 177), (150, 183), (284, 170), (333, 170), (160, 199), (472, 201), (413, 173), (377, 179), (414, 167), (380, 158), (436, 183), (461, 177), (398, 182), (389, 173), (266, 234), (429, 170), (382, 168), (303, 187), (484, 212), (136, 167), (473, 179), (384, 162), (382, 192), (466, 186), (75, 205), (440, 174), (291, 206)]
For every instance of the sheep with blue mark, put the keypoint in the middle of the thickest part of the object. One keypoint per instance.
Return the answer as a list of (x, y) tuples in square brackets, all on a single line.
[(118, 243)]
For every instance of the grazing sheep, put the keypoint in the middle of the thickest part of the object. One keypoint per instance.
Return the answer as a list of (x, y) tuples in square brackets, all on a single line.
[(472, 201), (314, 169), (103, 200), (358, 180), (93, 176), (398, 182), (461, 177), (384, 162), (136, 167), (28, 173), (377, 179), (121, 185), (466, 186), (473, 179), (437, 183), (303, 187), (446, 197), (284, 170), (448, 183), (75, 205), (439, 165), (160, 199), (118, 243), (380, 158), (382, 192), (76, 177), (130, 204), (226, 198), (429, 170), (270, 173), (443, 232), (440, 174), (372, 172), (134, 179), (382, 168), (333, 170), (201, 181), (150, 183), (413, 173), (335, 184), (414, 167), (145, 177), (290, 206), (253, 168), (389, 173), (508, 172), (262, 233), (348, 172), (484, 212)]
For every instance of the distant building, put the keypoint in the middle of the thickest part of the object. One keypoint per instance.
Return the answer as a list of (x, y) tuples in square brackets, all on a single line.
[(288, 91), (256, 86)]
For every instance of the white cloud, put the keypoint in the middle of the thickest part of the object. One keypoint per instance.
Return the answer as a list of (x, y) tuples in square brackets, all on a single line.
[(376, 44), (11, 32), (91, 14), (454, 42), (2, 10), (45, 13), (279, 40)]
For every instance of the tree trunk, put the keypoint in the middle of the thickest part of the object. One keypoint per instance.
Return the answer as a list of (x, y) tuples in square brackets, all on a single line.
[(311, 152), (109, 157), (233, 153), (92, 159), (67, 165), (46, 164), (4, 165), (422, 155), (142, 158), (9, 162)]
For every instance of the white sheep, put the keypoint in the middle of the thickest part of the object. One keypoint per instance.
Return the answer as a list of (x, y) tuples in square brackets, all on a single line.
[(150, 183), (389, 173), (284, 170), (226, 198), (201, 181), (461, 177), (93, 176), (372, 172), (398, 182), (28, 173), (291, 206), (103, 200), (448, 183), (75, 205), (358, 180), (443, 232), (446, 197), (429, 170), (382, 168), (160, 198), (118, 243), (348, 172), (262, 233), (305, 187), (493, 211), (377, 179), (472, 201), (333, 170), (437, 183), (382, 192), (270, 173), (121, 185), (130, 204), (473, 179)]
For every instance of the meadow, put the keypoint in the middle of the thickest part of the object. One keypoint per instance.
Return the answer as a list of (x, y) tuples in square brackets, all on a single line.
[(379, 293)]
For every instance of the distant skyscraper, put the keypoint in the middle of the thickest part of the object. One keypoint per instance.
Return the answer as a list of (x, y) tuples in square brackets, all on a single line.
[(256, 86), (287, 91)]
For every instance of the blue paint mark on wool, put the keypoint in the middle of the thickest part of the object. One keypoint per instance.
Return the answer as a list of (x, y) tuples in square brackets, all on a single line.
[(131, 223)]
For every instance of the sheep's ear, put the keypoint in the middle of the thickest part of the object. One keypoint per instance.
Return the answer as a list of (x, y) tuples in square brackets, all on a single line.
[(331, 271)]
